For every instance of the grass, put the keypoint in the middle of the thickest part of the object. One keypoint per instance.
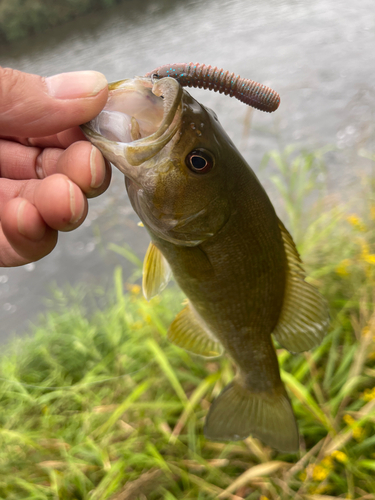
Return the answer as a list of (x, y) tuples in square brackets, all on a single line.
[(104, 407)]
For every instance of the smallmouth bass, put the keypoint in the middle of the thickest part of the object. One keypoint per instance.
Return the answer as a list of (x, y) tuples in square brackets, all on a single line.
[(213, 226)]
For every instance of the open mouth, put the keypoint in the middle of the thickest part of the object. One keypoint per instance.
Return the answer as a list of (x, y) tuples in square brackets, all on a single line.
[(139, 119), (132, 112)]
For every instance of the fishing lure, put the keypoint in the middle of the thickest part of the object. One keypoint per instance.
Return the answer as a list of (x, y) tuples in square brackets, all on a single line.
[(202, 76)]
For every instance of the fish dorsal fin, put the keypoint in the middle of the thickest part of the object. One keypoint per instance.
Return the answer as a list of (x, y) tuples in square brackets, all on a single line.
[(189, 332), (156, 272), (304, 318)]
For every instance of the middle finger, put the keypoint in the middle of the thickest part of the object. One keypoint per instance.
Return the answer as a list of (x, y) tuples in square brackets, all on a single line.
[(59, 201), (81, 162)]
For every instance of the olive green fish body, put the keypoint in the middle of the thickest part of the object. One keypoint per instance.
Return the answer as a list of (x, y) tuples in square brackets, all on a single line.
[(213, 226), (235, 280)]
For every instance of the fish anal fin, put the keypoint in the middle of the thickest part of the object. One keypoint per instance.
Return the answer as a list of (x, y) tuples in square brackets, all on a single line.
[(304, 317), (156, 272), (237, 413), (189, 332)]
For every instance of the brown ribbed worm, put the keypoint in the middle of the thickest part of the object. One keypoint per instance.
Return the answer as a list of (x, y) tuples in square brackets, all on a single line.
[(199, 75)]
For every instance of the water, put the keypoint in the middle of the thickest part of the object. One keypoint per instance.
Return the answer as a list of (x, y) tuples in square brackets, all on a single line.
[(318, 55)]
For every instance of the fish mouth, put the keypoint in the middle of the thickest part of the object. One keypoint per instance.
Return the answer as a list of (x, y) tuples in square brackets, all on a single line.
[(140, 117)]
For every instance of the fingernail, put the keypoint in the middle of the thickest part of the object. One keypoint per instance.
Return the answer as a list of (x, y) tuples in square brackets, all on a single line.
[(39, 166), (75, 85), (97, 167), (76, 214), (20, 224), (37, 233)]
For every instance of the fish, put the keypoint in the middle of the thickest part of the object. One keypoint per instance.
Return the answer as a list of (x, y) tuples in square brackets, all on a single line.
[(213, 227)]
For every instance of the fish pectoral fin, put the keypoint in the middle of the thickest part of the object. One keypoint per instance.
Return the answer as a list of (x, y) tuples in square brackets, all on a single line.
[(304, 317), (237, 412), (156, 272), (188, 331)]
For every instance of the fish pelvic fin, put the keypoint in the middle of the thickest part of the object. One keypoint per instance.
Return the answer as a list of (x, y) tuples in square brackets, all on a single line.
[(189, 331), (156, 272), (237, 412), (304, 318)]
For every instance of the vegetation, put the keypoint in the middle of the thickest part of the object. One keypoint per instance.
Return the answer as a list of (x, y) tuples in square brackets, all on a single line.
[(106, 408), (21, 18)]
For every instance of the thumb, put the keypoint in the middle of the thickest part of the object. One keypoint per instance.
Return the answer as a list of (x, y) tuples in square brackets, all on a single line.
[(33, 106)]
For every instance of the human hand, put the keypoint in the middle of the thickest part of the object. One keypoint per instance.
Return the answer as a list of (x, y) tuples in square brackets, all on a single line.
[(47, 168)]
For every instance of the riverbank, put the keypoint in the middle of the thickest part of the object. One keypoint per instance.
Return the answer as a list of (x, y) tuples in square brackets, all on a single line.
[(106, 408), (19, 19)]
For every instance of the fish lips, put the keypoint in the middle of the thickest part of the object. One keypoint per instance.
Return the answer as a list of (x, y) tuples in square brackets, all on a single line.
[(141, 116)]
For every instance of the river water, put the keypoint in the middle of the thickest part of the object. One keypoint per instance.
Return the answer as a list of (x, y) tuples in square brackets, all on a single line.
[(318, 55)]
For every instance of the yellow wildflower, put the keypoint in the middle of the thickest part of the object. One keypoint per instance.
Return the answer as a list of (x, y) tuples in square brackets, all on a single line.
[(370, 258), (340, 456), (348, 419), (365, 330), (262, 497), (320, 473), (327, 462), (365, 248), (368, 395), (357, 222), (134, 289), (342, 268), (359, 434), (353, 219)]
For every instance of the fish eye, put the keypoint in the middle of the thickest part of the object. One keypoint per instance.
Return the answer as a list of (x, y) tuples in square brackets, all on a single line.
[(199, 161)]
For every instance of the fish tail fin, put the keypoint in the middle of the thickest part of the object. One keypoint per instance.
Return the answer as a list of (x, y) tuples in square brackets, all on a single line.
[(237, 412)]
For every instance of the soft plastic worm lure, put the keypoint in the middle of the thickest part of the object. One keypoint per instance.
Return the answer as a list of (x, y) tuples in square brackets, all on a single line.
[(199, 75)]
